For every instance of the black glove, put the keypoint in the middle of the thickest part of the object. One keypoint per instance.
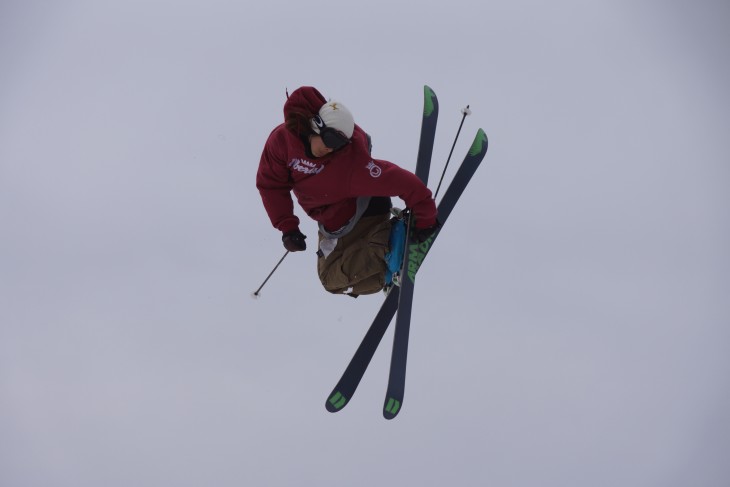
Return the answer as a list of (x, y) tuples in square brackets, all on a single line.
[(294, 241), (420, 235)]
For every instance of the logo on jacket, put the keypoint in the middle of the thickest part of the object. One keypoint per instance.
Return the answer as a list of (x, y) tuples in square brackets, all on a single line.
[(375, 170), (306, 167)]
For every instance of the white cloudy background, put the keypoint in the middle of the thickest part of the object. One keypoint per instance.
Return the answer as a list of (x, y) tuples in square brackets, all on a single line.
[(571, 327)]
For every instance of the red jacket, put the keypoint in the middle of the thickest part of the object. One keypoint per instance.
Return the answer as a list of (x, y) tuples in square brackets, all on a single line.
[(327, 187)]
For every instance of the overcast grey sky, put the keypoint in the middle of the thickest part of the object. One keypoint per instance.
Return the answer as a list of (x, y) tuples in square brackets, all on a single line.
[(570, 328)]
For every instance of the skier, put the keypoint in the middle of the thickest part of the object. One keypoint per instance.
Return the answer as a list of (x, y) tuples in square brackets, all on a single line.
[(323, 157)]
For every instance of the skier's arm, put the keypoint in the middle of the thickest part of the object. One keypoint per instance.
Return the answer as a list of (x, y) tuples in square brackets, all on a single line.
[(419, 199), (388, 179), (274, 185)]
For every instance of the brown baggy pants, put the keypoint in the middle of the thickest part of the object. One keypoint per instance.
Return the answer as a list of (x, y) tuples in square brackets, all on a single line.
[(357, 263)]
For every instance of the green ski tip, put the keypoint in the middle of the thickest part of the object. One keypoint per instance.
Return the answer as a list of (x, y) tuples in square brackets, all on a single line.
[(337, 400), (428, 105), (393, 406), (479, 142)]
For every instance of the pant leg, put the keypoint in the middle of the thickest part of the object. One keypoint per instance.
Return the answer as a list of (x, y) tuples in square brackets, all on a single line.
[(357, 264)]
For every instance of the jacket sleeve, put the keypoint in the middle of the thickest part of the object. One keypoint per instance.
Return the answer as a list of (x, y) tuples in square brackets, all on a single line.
[(274, 184), (383, 178)]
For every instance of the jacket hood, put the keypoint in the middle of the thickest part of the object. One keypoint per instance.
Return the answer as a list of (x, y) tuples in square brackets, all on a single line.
[(306, 100)]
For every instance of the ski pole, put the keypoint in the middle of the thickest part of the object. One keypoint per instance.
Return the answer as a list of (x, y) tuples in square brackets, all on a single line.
[(256, 294), (466, 112)]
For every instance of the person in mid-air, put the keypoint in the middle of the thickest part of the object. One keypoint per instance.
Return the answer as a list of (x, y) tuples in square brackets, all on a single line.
[(323, 157)]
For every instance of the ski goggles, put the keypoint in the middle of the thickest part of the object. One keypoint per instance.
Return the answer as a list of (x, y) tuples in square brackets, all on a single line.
[(331, 137)]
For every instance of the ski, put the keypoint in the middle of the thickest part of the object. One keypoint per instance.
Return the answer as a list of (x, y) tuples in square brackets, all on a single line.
[(413, 258), (397, 379), (347, 385), (350, 379)]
